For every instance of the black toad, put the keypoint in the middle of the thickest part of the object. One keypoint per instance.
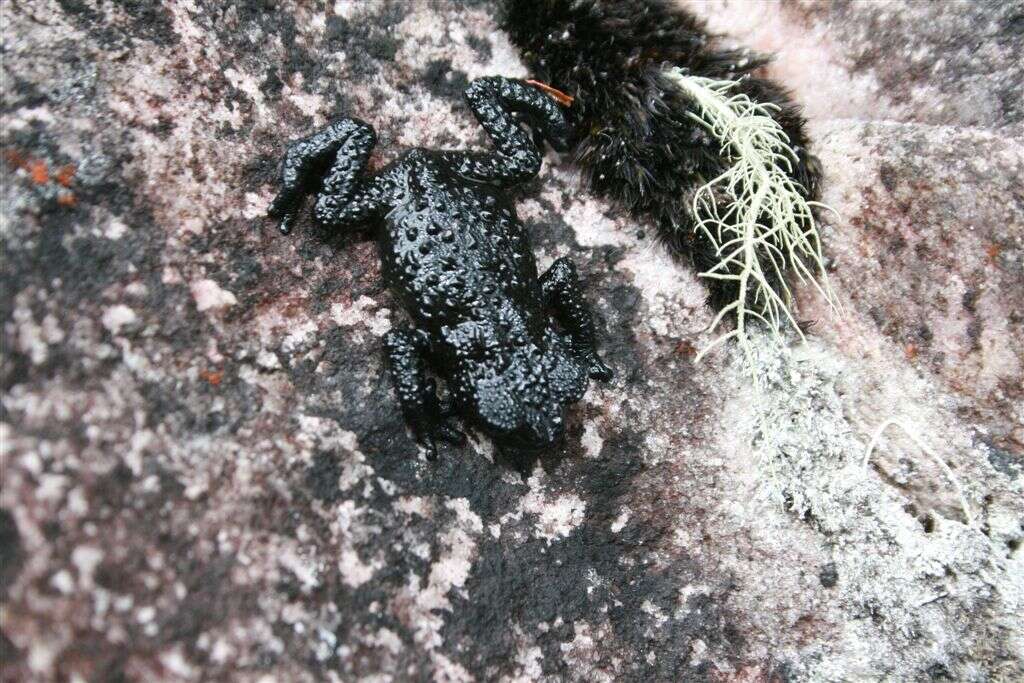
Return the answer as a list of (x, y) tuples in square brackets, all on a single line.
[(454, 250)]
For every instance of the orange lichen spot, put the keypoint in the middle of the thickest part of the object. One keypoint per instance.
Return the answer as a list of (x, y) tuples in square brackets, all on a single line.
[(67, 199), (686, 348), (65, 174), (993, 251), (15, 158), (40, 174), (910, 351), (214, 377), (562, 98)]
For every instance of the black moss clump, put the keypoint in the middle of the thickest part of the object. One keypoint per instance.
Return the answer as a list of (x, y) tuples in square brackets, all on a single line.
[(639, 145)]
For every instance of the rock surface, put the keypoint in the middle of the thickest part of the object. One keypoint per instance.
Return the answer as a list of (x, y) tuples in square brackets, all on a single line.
[(205, 475)]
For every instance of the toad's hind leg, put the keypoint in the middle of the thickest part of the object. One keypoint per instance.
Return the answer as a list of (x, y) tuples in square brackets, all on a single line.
[(332, 161), (560, 286), (417, 393)]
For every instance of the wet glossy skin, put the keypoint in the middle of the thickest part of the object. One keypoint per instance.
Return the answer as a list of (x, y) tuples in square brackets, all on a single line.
[(455, 252)]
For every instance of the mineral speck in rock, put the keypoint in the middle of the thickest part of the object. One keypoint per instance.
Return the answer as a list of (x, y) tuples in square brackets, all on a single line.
[(829, 575), (11, 553)]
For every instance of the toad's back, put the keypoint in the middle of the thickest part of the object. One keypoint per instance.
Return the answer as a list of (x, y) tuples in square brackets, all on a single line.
[(453, 248)]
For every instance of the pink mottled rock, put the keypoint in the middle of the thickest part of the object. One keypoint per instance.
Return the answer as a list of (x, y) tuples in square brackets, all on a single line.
[(205, 474)]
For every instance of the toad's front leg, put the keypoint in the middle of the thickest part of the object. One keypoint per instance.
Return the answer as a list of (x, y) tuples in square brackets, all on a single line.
[(331, 162), (417, 393)]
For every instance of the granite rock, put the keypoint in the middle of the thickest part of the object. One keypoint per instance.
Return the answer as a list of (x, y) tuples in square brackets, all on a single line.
[(205, 474)]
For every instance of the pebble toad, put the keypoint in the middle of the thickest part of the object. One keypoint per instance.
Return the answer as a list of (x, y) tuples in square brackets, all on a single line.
[(512, 346)]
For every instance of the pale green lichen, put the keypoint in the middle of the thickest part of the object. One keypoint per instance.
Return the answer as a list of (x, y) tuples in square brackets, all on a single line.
[(755, 214)]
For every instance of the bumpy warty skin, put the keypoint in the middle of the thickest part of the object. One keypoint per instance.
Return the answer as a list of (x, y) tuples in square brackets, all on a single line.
[(453, 249)]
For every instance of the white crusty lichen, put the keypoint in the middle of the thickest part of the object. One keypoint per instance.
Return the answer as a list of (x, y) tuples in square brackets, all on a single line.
[(755, 214), (919, 582), (916, 438)]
